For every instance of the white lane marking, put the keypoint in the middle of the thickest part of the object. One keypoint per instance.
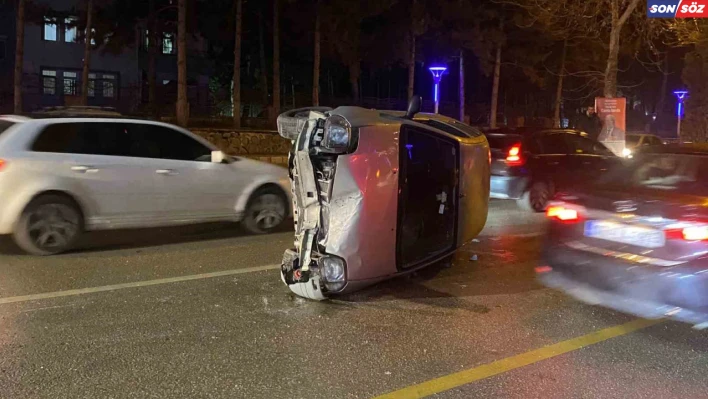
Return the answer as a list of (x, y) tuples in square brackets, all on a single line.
[(136, 284)]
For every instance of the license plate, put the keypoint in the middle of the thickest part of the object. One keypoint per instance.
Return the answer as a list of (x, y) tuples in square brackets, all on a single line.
[(626, 234)]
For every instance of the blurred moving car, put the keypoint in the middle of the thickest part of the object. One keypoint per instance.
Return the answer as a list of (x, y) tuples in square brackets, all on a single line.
[(378, 195), (62, 176), (635, 141), (637, 241), (530, 167)]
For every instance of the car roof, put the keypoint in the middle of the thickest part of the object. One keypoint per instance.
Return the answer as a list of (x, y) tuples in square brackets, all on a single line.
[(75, 112), (531, 131), (677, 149)]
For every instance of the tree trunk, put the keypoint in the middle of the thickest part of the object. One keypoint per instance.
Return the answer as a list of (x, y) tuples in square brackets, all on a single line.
[(411, 67), (262, 59), (354, 73), (495, 88), (152, 60), (664, 86), (276, 60), (87, 53), (462, 86), (610, 90), (559, 89), (182, 104), (19, 56), (316, 66), (237, 65)]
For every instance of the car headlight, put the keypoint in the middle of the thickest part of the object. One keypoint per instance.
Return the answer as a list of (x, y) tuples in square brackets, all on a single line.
[(626, 152), (337, 133), (332, 269)]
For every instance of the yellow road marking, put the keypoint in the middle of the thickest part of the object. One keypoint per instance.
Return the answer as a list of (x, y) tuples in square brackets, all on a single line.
[(468, 376)]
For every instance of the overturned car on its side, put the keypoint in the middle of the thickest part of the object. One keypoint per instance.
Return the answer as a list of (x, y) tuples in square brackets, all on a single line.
[(378, 194)]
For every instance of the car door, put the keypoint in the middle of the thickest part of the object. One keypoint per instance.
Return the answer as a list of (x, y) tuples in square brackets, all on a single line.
[(550, 159), (192, 188), (91, 159)]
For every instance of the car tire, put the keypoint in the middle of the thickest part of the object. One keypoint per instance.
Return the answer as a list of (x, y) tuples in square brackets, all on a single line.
[(266, 210), (49, 225), (535, 198)]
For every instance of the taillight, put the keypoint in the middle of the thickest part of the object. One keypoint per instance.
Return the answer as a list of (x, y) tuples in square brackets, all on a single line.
[(513, 158), (2, 164), (697, 233), (688, 232), (562, 213)]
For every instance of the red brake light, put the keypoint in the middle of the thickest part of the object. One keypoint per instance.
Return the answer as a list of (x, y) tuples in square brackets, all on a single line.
[(2, 164), (513, 158), (561, 213)]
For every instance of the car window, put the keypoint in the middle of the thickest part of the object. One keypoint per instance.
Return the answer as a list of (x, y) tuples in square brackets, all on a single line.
[(632, 140), (153, 141), (655, 140), (4, 125), (553, 144), (584, 145), (90, 138), (503, 141), (580, 145), (663, 172)]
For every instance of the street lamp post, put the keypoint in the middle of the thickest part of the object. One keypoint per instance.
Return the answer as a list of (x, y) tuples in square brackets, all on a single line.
[(437, 72), (681, 95)]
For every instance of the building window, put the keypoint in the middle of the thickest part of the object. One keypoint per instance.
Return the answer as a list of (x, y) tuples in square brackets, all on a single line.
[(70, 82), (70, 35), (168, 43), (109, 85), (92, 85), (147, 39), (49, 82), (50, 29)]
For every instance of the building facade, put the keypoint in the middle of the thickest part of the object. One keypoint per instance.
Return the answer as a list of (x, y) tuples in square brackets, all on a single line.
[(53, 62)]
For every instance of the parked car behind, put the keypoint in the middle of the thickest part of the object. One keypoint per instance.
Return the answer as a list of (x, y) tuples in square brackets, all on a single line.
[(633, 142), (60, 177), (637, 240), (531, 166)]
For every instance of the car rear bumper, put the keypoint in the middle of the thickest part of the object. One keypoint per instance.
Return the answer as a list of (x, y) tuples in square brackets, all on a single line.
[(678, 292), (507, 187)]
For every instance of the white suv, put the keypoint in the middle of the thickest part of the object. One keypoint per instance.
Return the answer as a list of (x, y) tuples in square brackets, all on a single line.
[(60, 177)]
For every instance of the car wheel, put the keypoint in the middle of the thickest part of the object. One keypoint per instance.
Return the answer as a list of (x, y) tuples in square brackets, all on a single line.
[(49, 225), (266, 211), (536, 197)]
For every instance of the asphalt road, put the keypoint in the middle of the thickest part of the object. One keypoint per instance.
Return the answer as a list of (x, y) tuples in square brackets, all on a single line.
[(232, 329)]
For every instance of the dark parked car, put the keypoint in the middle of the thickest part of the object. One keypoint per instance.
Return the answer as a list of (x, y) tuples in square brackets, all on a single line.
[(530, 166), (637, 240)]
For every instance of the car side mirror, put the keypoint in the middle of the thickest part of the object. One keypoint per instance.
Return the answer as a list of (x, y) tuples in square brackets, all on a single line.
[(414, 105), (218, 157)]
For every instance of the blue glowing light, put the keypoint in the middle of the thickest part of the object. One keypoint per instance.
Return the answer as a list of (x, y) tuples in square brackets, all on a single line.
[(681, 95), (437, 72)]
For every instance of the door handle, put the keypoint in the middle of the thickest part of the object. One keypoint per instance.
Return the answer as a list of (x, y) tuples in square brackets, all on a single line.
[(586, 163), (166, 172), (553, 163), (84, 169)]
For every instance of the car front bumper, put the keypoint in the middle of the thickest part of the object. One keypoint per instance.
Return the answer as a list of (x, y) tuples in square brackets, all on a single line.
[(507, 187), (678, 292)]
